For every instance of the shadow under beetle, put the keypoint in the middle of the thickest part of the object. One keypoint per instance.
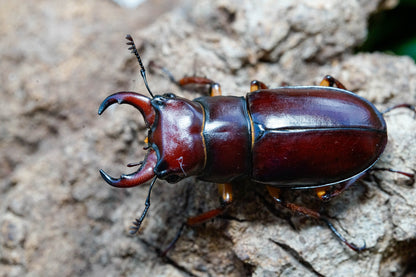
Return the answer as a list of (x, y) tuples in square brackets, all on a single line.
[(297, 137)]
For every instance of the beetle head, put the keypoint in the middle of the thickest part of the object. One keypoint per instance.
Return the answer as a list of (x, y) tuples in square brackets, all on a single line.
[(175, 141)]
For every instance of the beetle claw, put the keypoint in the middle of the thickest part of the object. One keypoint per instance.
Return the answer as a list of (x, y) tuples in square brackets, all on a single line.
[(142, 175)]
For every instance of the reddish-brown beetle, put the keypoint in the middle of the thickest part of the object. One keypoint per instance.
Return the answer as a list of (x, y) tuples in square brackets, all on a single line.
[(318, 137)]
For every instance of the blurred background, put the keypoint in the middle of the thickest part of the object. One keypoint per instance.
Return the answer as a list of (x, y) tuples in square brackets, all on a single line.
[(393, 31)]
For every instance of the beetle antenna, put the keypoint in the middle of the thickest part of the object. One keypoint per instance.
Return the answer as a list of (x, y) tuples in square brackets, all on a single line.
[(136, 53), (138, 221)]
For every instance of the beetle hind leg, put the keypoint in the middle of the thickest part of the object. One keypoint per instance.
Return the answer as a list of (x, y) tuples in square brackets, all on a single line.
[(329, 192), (256, 85), (329, 81), (275, 193), (403, 105)]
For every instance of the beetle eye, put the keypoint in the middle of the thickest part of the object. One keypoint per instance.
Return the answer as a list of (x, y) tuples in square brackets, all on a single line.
[(158, 101), (173, 179), (169, 95)]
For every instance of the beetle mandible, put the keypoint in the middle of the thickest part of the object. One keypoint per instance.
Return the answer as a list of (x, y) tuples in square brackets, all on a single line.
[(297, 137)]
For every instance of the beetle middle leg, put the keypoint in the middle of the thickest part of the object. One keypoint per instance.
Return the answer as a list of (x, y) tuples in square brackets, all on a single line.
[(226, 197), (275, 194)]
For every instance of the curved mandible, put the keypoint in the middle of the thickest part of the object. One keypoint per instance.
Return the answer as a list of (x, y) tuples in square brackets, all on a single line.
[(142, 175), (140, 102)]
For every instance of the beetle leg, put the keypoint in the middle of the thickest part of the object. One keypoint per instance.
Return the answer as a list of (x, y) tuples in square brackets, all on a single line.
[(138, 221), (329, 192), (407, 106), (226, 198), (275, 193), (256, 85), (214, 88), (329, 81), (173, 242), (195, 80), (411, 176)]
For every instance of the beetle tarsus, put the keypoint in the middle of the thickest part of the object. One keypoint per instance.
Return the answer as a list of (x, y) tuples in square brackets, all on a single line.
[(411, 176), (173, 242), (341, 238), (137, 222)]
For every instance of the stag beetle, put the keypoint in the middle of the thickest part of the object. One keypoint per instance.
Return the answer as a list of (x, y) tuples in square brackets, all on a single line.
[(296, 137)]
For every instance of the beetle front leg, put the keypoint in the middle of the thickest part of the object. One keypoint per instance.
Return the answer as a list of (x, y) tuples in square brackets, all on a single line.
[(329, 81), (275, 193), (226, 197)]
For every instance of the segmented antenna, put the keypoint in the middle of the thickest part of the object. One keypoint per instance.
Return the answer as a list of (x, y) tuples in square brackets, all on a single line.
[(136, 53)]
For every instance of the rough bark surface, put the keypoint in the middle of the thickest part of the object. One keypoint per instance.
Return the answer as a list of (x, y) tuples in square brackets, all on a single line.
[(59, 60)]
